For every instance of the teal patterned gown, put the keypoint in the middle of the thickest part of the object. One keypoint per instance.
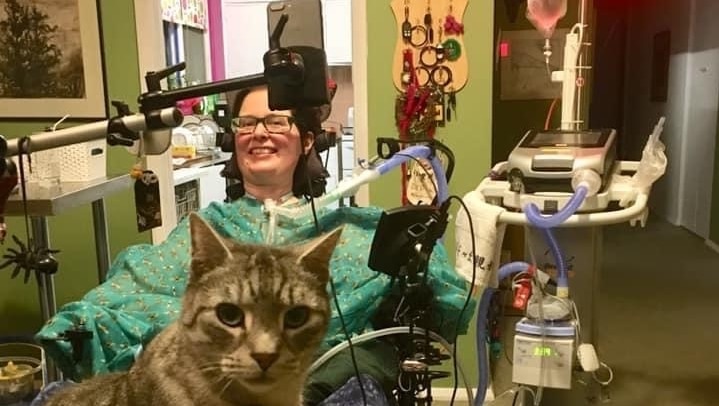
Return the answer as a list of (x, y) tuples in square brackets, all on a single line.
[(143, 290)]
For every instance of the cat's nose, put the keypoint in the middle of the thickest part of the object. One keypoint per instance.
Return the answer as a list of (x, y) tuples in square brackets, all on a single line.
[(265, 359)]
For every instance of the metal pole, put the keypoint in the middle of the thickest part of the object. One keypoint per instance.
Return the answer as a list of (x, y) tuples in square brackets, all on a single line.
[(102, 245), (339, 164), (582, 249), (41, 237), (164, 118), (46, 286), (581, 60)]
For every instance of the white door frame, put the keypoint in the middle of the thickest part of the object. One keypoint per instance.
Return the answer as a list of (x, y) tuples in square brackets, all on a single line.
[(151, 57), (359, 88), (699, 124)]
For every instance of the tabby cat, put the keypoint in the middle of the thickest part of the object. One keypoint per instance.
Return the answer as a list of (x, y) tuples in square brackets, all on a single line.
[(252, 320)]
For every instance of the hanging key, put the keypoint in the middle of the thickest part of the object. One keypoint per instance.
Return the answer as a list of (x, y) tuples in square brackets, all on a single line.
[(406, 25), (453, 101), (451, 104), (439, 49), (440, 116), (428, 24)]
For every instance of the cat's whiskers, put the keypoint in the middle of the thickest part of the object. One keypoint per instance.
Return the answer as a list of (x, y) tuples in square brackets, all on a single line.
[(210, 364), (217, 381), (227, 385), (210, 368)]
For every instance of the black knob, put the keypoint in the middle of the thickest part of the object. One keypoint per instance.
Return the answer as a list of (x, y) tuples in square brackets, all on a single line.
[(47, 264), (122, 108)]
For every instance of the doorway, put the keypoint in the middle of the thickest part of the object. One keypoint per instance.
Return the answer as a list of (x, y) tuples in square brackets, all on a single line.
[(630, 94)]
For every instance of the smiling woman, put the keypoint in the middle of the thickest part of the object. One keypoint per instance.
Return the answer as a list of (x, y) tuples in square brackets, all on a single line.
[(273, 155), (268, 151)]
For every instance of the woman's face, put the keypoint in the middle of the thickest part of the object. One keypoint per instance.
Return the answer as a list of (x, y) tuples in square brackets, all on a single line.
[(267, 158)]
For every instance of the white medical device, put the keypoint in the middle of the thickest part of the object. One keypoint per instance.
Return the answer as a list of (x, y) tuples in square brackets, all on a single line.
[(618, 188), (546, 161), (544, 359)]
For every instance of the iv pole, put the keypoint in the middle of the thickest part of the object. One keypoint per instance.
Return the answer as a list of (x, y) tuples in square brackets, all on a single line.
[(571, 76)]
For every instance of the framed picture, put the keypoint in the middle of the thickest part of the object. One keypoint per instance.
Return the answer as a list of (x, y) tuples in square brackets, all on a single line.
[(524, 74), (50, 59)]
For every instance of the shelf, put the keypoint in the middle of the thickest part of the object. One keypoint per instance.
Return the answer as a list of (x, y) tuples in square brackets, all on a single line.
[(52, 201)]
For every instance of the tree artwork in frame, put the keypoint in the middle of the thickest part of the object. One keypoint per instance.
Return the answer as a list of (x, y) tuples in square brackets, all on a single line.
[(50, 59)]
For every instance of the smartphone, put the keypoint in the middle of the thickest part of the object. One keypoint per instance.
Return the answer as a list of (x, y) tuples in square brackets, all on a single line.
[(304, 27)]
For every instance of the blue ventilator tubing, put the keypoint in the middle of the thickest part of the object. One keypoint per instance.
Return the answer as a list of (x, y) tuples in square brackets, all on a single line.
[(419, 151), (562, 277), (538, 220), (546, 223), (481, 335)]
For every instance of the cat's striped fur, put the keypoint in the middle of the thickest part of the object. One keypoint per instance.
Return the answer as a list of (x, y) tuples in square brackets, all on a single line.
[(252, 319)]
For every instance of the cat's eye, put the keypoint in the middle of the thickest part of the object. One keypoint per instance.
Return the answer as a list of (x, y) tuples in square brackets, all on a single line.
[(230, 315), (296, 317)]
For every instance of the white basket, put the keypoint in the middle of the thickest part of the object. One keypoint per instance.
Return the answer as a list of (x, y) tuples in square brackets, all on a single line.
[(76, 163), (45, 166), (84, 161)]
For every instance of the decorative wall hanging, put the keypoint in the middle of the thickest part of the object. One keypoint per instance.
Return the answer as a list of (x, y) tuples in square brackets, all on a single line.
[(433, 30), (429, 67)]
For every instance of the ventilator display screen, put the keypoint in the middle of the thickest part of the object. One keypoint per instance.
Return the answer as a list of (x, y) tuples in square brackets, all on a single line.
[(542, 351), (588, 139)]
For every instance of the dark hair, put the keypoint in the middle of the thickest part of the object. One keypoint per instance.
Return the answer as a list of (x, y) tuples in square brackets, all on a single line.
[(309, 177)]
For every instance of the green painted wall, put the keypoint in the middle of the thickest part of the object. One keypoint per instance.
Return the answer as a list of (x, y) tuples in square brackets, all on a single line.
[(469, 136), (72, 232)]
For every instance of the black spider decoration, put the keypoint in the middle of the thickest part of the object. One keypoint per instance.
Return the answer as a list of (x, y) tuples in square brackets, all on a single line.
[(30, 258)]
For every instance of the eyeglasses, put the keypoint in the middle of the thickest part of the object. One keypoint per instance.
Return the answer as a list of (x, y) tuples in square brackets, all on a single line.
[(273, 123)]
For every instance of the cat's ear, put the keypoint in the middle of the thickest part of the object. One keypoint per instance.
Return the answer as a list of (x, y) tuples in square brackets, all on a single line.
[(208, 249), (316, 254)]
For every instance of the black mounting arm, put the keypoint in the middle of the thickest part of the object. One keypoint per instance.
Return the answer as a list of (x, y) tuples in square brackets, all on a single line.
[(158, 99), (77, 335), (296, 77), (402, 246), (153, 79)]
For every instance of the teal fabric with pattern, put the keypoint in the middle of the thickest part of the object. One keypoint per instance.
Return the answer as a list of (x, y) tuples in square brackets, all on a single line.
[(145, 284)]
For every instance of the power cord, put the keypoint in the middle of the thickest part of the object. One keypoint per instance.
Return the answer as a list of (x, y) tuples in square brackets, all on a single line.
[(349, 343), (467, 300), (537, 286), (327, 159), (578, 337), (520, 389), (334, 293), (474, 274), (472, 284)]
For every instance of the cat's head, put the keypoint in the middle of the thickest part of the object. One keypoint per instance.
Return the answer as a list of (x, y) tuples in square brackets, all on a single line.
[(253, 314)]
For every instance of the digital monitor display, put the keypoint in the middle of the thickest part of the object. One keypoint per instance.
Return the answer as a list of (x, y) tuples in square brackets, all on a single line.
[(543, 351), (566, 139)]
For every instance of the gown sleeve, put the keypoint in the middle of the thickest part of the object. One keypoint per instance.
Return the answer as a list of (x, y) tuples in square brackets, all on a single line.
[(142, 295)]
